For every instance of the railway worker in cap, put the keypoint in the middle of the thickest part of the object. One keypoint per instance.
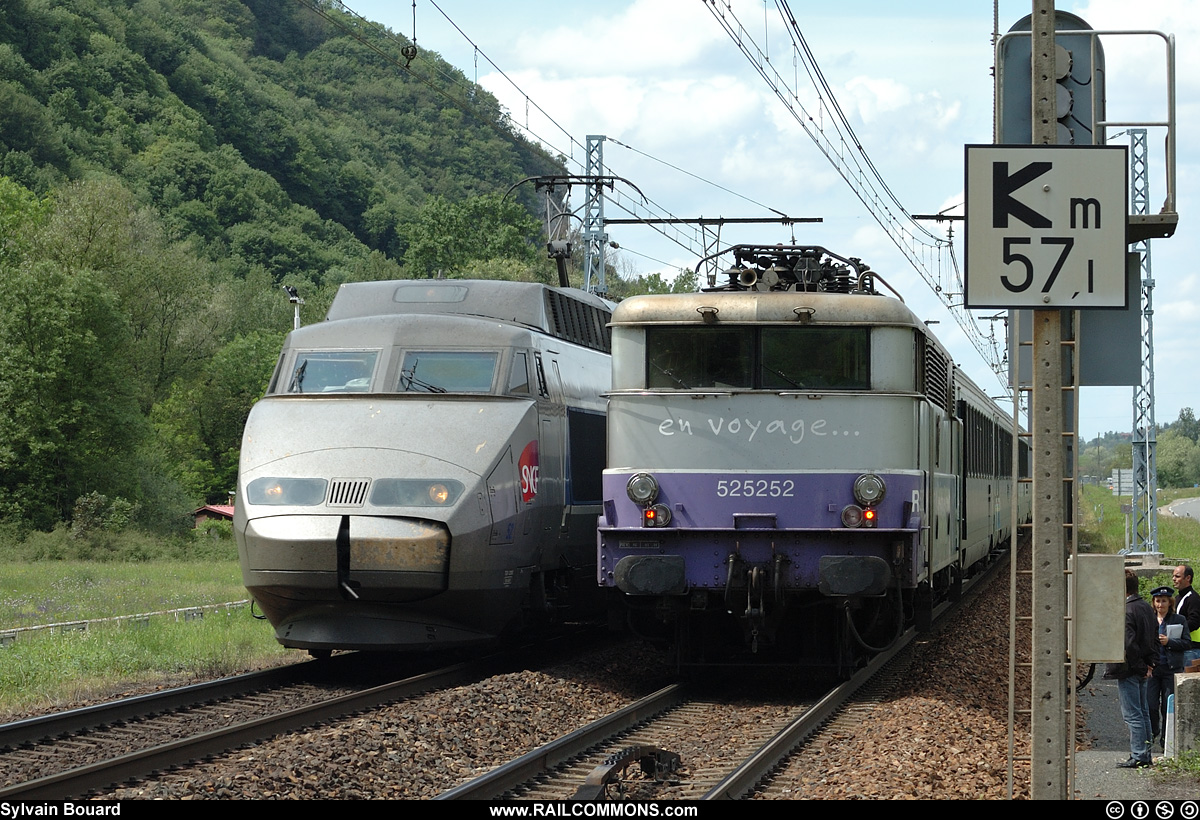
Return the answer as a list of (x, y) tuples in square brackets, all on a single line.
[(1187, 606), (1173, 641), (1131, 675)]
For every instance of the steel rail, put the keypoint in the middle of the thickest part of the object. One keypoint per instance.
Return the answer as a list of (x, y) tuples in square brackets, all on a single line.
[(743, 780), (525, 768), (32, 730), (102, 774), (137, 764), (747, 775)]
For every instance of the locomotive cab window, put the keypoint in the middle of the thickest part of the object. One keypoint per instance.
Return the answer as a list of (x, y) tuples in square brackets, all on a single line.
[(765, 358), (445, 371), (328, 371), (685, 358), (804, 358)]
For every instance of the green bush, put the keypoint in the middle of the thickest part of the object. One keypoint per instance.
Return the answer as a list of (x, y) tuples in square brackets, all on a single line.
[(213, 529), (64, 543)]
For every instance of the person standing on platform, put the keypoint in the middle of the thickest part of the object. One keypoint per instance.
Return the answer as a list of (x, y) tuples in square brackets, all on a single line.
[(1173, 641), (1141, 650), (1187, 606)]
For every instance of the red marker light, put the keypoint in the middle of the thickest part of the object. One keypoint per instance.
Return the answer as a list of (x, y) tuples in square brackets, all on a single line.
[(649, 517), (868, 518)]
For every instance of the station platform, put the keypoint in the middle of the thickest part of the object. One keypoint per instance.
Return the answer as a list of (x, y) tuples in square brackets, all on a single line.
[(1096, 774)]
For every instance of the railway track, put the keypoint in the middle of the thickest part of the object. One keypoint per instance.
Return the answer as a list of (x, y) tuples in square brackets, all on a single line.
[(727, 747), (680, 745), (676, 744), (85, 750)]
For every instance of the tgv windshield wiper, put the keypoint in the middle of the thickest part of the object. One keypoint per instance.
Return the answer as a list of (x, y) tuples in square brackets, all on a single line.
[(297, 382), (409, 380)]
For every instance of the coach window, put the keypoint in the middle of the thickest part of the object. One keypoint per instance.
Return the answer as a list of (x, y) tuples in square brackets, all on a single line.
[(326, 371), (444, 371), (685, 358)]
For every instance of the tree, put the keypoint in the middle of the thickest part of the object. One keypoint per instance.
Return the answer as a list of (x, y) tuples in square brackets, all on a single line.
[(448, 235), (1178, 460), (21, 213), (162, 287), (1187, 425), (69, 420), (180, 160), (622, 287), (200, 424)]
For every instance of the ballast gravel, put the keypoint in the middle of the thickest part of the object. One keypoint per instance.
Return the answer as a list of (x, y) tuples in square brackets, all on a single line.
[(941, 733)]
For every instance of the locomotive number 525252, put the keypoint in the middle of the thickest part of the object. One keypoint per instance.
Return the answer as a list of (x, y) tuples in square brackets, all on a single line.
[(756, 488)]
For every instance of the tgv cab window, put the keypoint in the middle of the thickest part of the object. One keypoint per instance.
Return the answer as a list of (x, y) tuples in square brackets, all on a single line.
[(328, 371), (766, 358), (518, 380), (447, 372)]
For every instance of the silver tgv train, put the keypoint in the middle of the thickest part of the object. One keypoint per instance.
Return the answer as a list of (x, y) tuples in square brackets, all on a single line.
[(424, 470), (796, 467)]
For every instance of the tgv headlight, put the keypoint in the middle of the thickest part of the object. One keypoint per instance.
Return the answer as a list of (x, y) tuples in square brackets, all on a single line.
[(869, 489), (287, 492), (415, 492), (642, 489)]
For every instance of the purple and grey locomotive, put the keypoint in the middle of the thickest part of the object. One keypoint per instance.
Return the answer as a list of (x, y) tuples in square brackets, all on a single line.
[(795, 465), (424, 470)]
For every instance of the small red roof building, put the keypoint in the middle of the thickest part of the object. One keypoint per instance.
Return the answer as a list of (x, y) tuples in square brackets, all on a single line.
[(218, 512)]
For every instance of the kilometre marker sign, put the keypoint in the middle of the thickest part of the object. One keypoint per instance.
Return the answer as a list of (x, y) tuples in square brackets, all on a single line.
[(1046, 226)]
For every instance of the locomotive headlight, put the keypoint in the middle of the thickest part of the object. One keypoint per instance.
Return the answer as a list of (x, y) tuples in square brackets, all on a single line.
[(642, 489), (439, 494), (869, 489), (289, 492), (852, 516), (658, 515)]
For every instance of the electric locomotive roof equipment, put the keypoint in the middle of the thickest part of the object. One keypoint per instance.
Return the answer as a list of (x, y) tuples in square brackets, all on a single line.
[(803, 268)]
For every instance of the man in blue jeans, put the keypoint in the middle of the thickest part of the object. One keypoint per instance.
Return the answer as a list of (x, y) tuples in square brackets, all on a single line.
[(1141, 649)]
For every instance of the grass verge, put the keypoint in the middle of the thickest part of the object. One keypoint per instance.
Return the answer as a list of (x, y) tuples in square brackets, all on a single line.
[(1103, 529), (54, 670), (1102, 524), (46, 592), (49, 668)]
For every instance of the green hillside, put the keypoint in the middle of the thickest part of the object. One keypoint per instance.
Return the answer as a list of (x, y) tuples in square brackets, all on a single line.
[(166, 165)]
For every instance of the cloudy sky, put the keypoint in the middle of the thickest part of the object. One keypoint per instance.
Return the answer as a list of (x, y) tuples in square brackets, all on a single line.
[(696, 129)]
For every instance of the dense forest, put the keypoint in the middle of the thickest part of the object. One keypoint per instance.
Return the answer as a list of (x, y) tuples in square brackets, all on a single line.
[(165, 167)]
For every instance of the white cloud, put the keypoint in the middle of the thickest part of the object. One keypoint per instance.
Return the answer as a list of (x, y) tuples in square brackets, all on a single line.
[(639, 39), (913, 77)]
